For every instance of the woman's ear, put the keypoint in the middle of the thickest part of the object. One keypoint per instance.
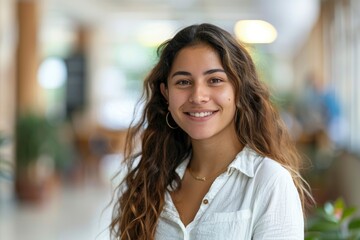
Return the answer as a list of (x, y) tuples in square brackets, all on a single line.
[(164, 91)]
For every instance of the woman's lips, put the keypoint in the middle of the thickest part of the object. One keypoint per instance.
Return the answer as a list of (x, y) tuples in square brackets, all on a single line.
[(201, 114)]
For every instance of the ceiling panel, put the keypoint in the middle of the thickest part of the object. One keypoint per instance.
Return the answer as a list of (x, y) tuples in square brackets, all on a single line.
[(292, 18)]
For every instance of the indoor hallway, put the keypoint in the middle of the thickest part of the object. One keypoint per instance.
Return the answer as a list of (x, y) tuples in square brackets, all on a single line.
[(73, 212)]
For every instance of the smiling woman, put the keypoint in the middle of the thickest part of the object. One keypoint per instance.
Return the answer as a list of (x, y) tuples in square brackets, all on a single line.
[(228, 169), (201, 98)]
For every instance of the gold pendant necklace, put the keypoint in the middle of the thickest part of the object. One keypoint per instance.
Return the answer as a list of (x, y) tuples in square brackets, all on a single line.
[(203, 179)]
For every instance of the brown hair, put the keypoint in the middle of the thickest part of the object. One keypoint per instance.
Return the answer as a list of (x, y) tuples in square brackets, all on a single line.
[(258, 125)]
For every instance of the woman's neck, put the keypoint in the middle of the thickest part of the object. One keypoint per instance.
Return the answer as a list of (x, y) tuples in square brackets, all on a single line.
[(209, 156)]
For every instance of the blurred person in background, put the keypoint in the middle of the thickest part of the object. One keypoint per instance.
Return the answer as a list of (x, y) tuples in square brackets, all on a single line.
[(320, 110), (320, 116), (215, 161)]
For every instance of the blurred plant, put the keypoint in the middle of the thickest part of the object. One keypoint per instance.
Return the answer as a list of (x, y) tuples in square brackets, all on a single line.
[(37, 137), (334, 221), (5, 164)]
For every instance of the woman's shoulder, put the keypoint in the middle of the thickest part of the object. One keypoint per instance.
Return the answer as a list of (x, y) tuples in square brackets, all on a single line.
[(262, 166), (272, 167), (272, 181), (270, 173), (257, 166)]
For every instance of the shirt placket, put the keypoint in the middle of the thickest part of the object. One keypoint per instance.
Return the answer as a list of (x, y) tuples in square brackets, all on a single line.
[(208, 199)]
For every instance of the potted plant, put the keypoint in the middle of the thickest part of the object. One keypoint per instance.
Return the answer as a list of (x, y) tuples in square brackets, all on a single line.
[(39, 151), (333, 221)]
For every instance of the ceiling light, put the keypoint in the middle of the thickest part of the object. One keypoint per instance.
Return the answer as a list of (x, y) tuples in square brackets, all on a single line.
[(255, 31), (154, 33)]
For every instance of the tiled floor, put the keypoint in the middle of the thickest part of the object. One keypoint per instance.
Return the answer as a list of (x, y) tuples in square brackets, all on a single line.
[(71, 213), (74, 213)]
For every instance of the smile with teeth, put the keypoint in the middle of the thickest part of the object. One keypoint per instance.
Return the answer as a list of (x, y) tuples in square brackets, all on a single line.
[(200, 114)]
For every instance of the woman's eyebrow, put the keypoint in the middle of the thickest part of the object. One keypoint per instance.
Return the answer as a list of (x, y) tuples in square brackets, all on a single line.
[(213, 71), (181, 73), (210, 71)]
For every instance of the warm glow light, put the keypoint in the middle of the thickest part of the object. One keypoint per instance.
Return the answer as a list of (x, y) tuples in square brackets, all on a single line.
[(154, 33), (255, 31)]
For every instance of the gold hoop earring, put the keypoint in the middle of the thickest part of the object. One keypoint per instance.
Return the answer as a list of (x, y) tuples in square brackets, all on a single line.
[(167, 121)]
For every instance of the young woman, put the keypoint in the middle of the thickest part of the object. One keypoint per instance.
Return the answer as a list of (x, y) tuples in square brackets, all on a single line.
[(215, 161)]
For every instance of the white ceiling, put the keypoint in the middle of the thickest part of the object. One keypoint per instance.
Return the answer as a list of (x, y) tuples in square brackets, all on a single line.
[(293, 19)]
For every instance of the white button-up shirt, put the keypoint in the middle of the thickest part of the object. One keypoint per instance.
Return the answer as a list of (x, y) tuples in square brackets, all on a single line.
[(254, 199)]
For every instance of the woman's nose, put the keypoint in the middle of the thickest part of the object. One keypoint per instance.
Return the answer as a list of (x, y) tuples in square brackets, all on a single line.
[(199, 94)]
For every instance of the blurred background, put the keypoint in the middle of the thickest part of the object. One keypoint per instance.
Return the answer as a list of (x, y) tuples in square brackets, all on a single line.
[(71, 72)]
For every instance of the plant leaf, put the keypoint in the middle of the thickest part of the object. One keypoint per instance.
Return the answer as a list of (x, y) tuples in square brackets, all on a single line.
[(329, 208), (312, 237), (348, 212), (323, 226), (354, 224), (339, 203)]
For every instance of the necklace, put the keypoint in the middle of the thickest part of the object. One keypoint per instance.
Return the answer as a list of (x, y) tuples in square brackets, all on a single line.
[(198, 178), (203, 179)]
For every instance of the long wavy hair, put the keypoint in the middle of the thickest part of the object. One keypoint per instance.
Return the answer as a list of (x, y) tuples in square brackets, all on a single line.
[(151, 169)]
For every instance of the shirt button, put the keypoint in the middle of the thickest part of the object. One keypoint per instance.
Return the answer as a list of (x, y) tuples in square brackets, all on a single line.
[(205, 201)]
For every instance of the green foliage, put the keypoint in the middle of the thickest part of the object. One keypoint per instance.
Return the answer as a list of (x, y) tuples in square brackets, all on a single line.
[(334, 221), (5, 165), (35, 137)]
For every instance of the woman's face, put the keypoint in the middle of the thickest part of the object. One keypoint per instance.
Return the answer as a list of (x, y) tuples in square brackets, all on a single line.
[(201, 97)]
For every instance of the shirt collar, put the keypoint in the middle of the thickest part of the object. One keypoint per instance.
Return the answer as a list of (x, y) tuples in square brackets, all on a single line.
[(243, 162), (180, 170)]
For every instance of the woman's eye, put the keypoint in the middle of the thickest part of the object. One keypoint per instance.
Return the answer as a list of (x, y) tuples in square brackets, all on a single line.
[(183, 82), (215, 80)]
